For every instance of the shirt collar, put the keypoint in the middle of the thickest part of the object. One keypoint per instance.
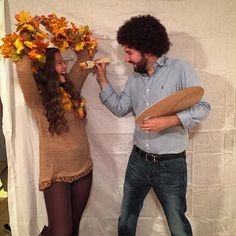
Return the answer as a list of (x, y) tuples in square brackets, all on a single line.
[(160, 61)]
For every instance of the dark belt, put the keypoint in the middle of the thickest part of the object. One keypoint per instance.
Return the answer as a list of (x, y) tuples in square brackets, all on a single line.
[(158, 157)]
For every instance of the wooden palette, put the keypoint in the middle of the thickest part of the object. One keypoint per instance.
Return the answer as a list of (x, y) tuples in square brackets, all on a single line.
[(172, 104)]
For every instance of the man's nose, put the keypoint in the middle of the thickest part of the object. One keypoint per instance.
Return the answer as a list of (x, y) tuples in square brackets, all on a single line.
[(126, 58)]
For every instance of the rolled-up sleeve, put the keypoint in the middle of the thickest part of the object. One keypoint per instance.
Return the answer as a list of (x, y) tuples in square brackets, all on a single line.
[(194, 115), (120, 105), (106, 92)]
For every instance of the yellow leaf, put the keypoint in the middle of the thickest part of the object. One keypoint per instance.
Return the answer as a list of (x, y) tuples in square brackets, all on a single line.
[(29, 44), (79, 46), (27, 27), (65, 45), (41, 34), (19, 46), (23, 17), (83, 29)]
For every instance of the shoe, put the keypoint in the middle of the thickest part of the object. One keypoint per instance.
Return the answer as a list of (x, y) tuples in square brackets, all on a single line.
[(7, 228), (44, 231)]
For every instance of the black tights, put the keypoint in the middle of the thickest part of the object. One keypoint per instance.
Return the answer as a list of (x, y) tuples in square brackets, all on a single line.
[(65, 204)]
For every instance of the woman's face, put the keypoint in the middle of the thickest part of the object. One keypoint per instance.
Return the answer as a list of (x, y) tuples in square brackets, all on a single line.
[(60, 67)]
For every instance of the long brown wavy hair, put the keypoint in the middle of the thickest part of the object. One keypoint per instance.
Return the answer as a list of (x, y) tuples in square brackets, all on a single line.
[(47, 80)]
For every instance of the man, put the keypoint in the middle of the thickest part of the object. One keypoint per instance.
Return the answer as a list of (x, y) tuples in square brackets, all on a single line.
[(158, 158)]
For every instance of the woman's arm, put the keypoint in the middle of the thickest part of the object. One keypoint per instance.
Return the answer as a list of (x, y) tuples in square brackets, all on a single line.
[(76, 75), (27, 82)]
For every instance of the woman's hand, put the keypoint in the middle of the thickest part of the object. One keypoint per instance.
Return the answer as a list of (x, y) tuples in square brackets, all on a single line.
[(25, 34), (42, 21), (83, 55)]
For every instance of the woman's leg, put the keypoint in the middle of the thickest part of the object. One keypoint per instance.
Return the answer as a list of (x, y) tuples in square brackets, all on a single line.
[(80, 190), (58, 204)]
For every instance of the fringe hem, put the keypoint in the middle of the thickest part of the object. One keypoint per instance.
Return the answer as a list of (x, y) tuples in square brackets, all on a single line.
[(67, 179)]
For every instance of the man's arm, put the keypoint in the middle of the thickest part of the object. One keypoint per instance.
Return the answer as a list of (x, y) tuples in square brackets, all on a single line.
[(120, 105), (197, 113), (187, 118)]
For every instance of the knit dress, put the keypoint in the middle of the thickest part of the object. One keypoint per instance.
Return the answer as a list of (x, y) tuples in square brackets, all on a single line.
[(64, 157)]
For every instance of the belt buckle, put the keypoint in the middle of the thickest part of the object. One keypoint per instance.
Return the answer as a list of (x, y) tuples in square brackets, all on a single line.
[(150, 157)]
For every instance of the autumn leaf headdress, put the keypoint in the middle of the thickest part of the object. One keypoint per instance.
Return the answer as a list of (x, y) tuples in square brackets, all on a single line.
[(30, 39), (65, 37)]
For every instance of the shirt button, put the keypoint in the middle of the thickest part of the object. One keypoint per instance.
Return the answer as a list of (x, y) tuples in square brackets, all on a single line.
[(148, 90), (147, 103), (147, 145)]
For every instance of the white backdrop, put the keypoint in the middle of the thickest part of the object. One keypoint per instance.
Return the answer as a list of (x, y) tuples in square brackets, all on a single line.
[(201, 31)]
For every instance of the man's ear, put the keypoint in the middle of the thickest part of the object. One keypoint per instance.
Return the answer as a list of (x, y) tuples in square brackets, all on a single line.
[(150, 56), (147, 55)]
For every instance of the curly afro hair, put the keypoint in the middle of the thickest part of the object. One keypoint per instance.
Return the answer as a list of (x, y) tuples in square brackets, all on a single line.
[(144, 33)]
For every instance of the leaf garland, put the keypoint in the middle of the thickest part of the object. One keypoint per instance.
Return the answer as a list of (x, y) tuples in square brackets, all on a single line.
[(65, 37), (30, 39)]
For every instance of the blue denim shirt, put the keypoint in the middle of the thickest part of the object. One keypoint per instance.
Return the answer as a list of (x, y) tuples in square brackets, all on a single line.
[(141, 91)]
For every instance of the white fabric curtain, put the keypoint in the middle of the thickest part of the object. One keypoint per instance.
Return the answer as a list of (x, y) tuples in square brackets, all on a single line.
[(202, 33)]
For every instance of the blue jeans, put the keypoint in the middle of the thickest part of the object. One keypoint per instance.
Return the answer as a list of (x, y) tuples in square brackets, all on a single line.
[(169, 182)]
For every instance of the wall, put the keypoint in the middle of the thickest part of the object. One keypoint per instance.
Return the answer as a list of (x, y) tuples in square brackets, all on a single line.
[(202, 32)]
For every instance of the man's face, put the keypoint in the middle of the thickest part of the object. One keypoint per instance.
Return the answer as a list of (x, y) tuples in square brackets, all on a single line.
[(137, 59)]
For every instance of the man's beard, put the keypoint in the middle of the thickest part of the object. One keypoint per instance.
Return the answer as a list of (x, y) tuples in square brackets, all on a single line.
[(141, 67)]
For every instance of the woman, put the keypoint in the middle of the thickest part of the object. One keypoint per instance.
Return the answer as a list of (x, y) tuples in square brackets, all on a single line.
[(65, 162)]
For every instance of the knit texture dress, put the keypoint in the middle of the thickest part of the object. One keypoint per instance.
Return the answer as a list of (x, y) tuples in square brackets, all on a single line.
[(64, 157)]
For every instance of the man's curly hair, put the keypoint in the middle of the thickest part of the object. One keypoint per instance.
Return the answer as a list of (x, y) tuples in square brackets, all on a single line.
[(144, 33)]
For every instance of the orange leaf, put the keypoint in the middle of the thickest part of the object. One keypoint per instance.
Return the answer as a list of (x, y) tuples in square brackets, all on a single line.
[(34, 55)]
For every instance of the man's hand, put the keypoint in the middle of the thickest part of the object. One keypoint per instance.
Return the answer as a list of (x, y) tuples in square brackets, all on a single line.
[(100, 70), (160, 123)]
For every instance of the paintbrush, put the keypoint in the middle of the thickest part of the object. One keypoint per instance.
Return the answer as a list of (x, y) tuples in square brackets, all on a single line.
[(90, 64)]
